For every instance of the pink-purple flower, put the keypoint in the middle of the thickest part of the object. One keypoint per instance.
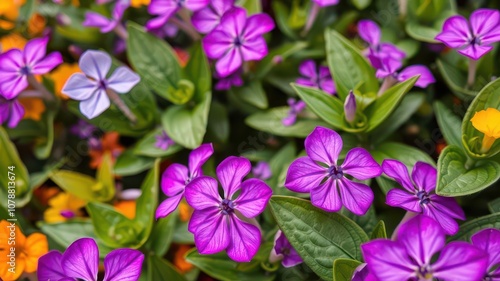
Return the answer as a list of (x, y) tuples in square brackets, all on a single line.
[(80, 261), (221, 223), (262, 170), (208, 18), (17, 66), (284, 251), (11, 112), (409, 258), (163, 141), (177, 176), (389, 67), (106, 25), (165, 9), (474, 38), (370, 32), (320, 174), (238, 38), (325, 3), (83, 130), (296, 107), (488, 240), (318, 77), (233, 80), (418, 195)]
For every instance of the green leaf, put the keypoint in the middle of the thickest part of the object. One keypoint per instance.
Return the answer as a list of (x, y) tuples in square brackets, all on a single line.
[(160, 269), (75, 31), (106, 177), (409, 155), (319, 237), (161, 236), (251, 93), (361, 4), (16, 179), (283, 52), (147, 146), (252, 6), (43, 146), (279, 166), (379, 231), (153, 59), (455, 180), (367, 221), (384, 105), (218, 121), (455, 79), (494, 206), (343, 269), (128, 164), (449, 124), (471, 227), (80, 185), (197, 70), (282, 13), (348, 66)]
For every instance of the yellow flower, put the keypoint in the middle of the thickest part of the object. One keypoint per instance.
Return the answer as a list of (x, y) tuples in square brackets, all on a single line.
[(127, 208), (26, 251), (139, 3), (12, 41), (487, 122), (61, 74), (63, 206), (33, 108), (9, 10)]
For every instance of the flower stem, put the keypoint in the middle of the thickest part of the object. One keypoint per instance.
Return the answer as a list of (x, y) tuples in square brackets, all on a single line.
[(487, 143), (403, 7), (44, 93), (121, 31), (310, 20), (186, 26), (471, 78), (389, 81), (113, 96), (408, 216), (469, 163)]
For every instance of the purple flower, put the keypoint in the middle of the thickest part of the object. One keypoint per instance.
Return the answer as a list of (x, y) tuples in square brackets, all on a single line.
[(319, 173), (165, 9), (206, 19), (163, 141), (176, 177), (11, 112), (221, 223), (325, 3), (262, 170), (419, 197), (283, 250), (106, 25), (81, 262), (167, 30), (91, 86), (410, 257), (370, 32), (296, 107), (389, 68), (472, 39), (316, 77), (237, 39), (83, 129), (350, 107), (488, 240), (17, 65), (226, 83), (361, 273)]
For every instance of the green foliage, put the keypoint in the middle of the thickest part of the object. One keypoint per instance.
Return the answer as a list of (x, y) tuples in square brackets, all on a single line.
[(343, 269)]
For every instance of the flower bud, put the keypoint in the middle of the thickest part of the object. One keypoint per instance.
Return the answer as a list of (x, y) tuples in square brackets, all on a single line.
[(350, 107)]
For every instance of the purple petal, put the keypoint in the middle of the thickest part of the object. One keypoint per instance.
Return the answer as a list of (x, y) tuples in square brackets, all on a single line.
[(356, 197), (79, 87), (448, 205), (306, 82), (485, 24), (12, 85), (326, 196), (423, 81), (325, 3), (303, 175), (163, 7), (216, 44), (16, 114), (424, 176), (229, 63), (402, 199), (123, 80), (257, 25), (4, 110), (203, 193), (95, 64), (388, 68), (475, 52), (398, 172), (81, 259), (308, 69), (460, 261), (95, 105), (174, 179), (245, 240), (390, 50), (422, 238), (205, 20), (97, 20), (195, 5), (159, 22), (198, 217), (323, 145), (253, 198), (198, 157), (327, 85), (168, 206), (360, 164), (369, 31), (254, 49), (49, 266), (123, 265), (48, 63), (289, 120), (231, 172), (212, 234), (488, 240), (11, 61), (35, 50), (292, 259), (446, 222), (455, 32), (387, 260), (234, 21)]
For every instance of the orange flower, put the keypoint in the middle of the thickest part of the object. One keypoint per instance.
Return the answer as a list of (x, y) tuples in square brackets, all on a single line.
[(185, 211), (44, 194), (182, 56), (9, 10), (23, 251), (139, 3), (487, 122), (36, 25), (61, 74), (33, 108), (12, 41), (126, 207), (109, 144), (179, 260)]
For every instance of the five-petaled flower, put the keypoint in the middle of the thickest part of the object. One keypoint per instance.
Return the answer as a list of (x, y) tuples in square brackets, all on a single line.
[(488, 240), (93, 19), (80, 261), (163, 141), (206, 19), (319, 173), (472, 39), (318, 77), (220, 223), (419, 197), (284, 251), (410, 256), (389, 68), (177, 176), (237, 39), (165, 9)]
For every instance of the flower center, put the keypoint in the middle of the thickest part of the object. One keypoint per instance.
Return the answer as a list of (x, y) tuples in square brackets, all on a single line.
[(103, 85), (238, 42), (226, 207), (335, 172), (423, 197), (180, 3), (475, 40), (25, 70), (67, 214), (424, 273)]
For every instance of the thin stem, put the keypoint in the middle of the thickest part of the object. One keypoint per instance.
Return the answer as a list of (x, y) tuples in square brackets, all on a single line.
[(113, 96), (403, 7), (471, 78), (469, 163), (44, 93), (408, 216), (121, 31), (310, 20), (188, 28), (389, 81)]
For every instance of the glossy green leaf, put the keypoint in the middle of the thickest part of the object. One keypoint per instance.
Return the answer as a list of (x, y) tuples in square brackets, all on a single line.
[(160, 269), (319, 237), (471, 227), (106, 177), (282, 13), (147, 146), (251, 93), (455, 180), (281, 53), (80, 185), (197, 70), (128, 163), (449, 124), (409, 155), (367, 221), (455, 79), (161, 235), (343, 269), (494, 206), (379, 231)]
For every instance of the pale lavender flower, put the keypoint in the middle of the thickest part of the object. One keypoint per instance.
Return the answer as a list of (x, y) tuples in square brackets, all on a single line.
[(164, 9), (296, 107), (220, 223), (488, 240), (163, 141), (237, 39), (11, 112), (106, 25), (206, 19), (284, 251), (262, 170), (83, 129), (409, 258), (80, 261), (318, 77), (390, 68), (319, 173)]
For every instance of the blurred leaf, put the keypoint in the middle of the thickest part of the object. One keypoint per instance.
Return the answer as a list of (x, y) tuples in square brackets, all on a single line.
[(282, 13), (106, 177), (147, 146), (361, 4), (160, 269), (473, 226), (281, 53), (494, 206), (75, 31), (449, 124), (343, 269), (128, 164), (251, 93), (83, 186), (218, 121), (455, 79), (197, 70), (161, 236), (379, 231)]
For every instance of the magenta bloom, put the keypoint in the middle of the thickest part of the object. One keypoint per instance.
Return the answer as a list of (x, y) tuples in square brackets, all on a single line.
[(237, 39), (419, 197), (83, 129), (11, 112), (283, 250), (316, 77), (370, 32), (163, 141), (106, 25), (325, 3), (296, 107), (221, 223), (165, 9), (410, 257), (206, 19), (17, 65), (262, 170), (472, 39), (233, 80), (176, 177), (90, 87), (81, 262), (319, 173), (488, 240), (390, 67)]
